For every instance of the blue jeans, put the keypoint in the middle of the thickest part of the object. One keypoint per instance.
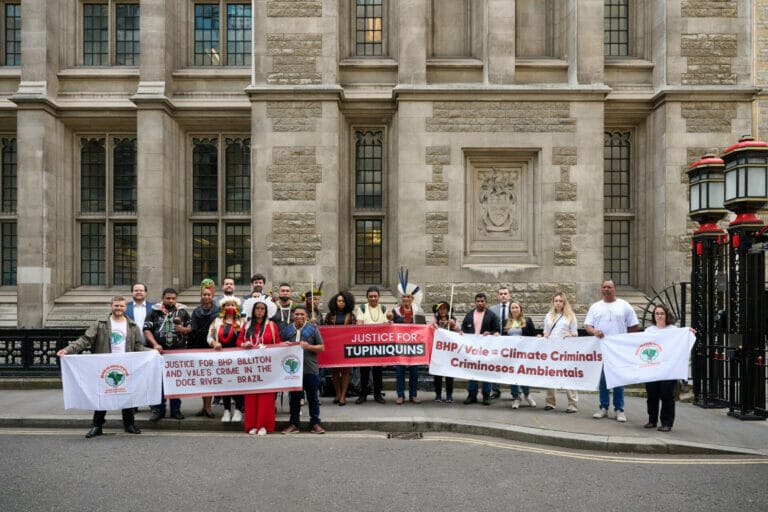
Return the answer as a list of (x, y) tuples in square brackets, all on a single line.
[(413, 380), (472, 388), (310, 383), (605, 395), (175, 406), (516, 391)]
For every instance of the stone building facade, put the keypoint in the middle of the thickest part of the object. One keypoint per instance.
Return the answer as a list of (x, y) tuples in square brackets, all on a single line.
[(540, 144)]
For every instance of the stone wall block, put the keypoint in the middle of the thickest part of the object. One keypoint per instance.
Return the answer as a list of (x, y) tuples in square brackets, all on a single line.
[(565, 192), (515, 116), (294, 8), (436, 223), (565, 223), (564, 155), (436, 191), (709, 9)]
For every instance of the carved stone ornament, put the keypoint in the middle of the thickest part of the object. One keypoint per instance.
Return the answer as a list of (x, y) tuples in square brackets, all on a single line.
[(497, 199)]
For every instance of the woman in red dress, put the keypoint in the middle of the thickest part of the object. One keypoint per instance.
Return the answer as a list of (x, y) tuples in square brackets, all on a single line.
[(258, 331)]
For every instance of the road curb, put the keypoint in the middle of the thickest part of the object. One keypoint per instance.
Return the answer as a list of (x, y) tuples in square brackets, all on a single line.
[(592, 442)]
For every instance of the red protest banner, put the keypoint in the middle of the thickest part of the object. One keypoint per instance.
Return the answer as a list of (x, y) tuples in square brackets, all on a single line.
[(375, 345)]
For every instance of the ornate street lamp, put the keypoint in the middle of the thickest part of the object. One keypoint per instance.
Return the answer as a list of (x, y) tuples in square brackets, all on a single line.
[(746, 191), (706, 178), (746, 179), (708, 270)]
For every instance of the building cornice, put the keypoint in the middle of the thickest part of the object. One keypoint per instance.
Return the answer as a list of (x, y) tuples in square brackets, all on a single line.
[(480, 92), (682, 94), (295, 92)]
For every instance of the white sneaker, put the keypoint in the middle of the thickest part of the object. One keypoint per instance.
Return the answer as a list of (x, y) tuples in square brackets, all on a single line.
[(602, 413), (571, 409), (237, 416), (252, 432), (227, 417), (531, 402), (516, 403), (620, 416), (262, 431)]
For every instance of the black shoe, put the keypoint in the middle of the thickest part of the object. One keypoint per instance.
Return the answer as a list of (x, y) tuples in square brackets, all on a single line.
[(486, 399), (379, 399), (177, 415), (156, 416), (133, 429), (471, 399), (360, 399), (496, 394), (95, 431)]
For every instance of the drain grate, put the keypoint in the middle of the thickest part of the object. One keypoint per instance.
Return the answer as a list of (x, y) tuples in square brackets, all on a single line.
[(405, 435)]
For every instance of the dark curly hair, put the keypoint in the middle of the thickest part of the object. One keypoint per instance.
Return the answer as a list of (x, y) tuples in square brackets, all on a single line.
[(349, 303)]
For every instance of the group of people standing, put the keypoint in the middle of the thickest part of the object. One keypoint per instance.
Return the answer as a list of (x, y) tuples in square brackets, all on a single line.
[(226, 321)]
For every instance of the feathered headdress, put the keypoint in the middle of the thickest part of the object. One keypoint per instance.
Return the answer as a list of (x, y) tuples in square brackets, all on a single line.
[(229, 300), (250, 303), (406, 288), (312, 293)]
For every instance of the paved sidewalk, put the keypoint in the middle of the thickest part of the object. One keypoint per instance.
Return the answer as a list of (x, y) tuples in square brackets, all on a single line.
[(696, 430)]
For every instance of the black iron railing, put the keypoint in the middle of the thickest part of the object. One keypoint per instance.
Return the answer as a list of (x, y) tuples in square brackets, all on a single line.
[(32, 352)]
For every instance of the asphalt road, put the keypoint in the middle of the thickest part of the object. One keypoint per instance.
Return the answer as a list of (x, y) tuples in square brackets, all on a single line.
[(362, 471)]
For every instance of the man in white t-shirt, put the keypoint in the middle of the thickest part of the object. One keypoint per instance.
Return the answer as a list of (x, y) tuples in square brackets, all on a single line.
[(607, 317), (114, 334)]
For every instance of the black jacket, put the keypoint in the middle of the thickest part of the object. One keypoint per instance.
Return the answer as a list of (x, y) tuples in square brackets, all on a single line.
[(490, 322)]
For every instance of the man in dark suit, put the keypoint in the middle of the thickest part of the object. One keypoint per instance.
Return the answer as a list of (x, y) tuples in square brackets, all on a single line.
[(138, 309), (480, 320)]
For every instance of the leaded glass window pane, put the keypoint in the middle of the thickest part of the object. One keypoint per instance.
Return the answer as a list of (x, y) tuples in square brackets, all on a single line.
[(237, 244), (93, 251), (207, 50), (93, 175), (95, 35), (125, 247), (204, 175), (13, 34), (616, 245), (9, 252), (617, 162), (205, 246), (127, 32), (238, 175), (369, 170), (616, 28), (9, 175), (124, 178), (368, 251), (369, 20), (238, 34)]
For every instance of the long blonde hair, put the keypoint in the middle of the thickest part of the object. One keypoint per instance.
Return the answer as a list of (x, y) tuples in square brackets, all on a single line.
[(567, 311), (520, 319)]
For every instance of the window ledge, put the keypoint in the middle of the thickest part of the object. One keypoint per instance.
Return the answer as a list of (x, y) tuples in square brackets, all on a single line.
[(457, 63), (370, 63), (628, 62), (542, 63), (10, 72), (100, 72), (213, 72)]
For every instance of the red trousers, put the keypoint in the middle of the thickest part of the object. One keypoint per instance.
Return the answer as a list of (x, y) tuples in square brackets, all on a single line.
[(260, 411)]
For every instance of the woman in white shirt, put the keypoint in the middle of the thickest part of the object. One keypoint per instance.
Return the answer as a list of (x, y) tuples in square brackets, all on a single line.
[(663, 390), (560, 322)]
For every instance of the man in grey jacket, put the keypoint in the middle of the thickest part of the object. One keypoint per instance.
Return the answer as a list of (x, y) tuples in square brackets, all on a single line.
[(115, 334)]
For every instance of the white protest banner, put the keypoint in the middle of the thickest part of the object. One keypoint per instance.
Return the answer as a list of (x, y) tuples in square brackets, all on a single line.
[(105, 382), (572, 363), (647, 356), (188, 373)]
